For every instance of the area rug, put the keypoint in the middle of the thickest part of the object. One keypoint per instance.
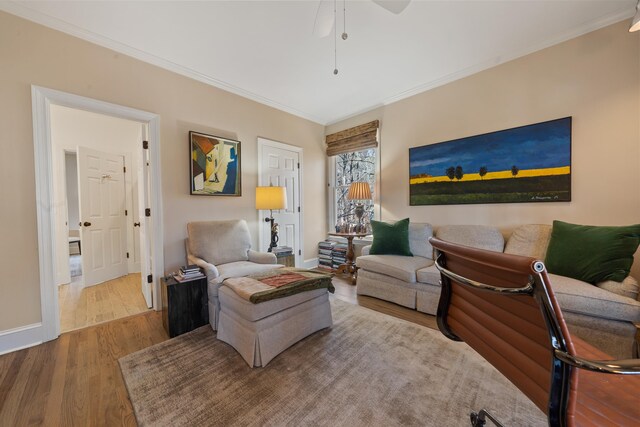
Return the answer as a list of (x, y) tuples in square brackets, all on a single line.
[(369, 369), (75, 265)]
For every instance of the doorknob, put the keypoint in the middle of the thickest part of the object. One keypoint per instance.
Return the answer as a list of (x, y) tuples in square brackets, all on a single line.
[(86, 224), (136, 224)]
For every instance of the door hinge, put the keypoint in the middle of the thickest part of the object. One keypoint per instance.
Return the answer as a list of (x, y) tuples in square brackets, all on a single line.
[(124, 169), (298, 208), (127, 254), (147, 212), (298, 165), (299, 251), (150, 278), (145, 145), (126, 212)]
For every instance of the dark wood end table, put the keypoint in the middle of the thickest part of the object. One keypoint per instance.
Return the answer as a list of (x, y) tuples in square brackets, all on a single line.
[(349, 267)]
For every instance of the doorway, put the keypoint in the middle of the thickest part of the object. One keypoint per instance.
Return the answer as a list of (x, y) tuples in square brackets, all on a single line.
[(151, 252), (281, 165)]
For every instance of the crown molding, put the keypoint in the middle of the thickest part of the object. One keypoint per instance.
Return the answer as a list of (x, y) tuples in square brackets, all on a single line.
[(23, 11)]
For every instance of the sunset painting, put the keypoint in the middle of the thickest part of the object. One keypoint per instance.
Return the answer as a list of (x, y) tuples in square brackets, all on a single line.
[(524, 164)]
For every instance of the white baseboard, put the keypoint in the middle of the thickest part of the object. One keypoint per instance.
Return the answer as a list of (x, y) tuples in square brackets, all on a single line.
[(19, 338), (310, 263)]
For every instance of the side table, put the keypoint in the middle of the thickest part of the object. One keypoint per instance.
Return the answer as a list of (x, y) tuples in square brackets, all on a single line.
[(349, 267), (184, 305)]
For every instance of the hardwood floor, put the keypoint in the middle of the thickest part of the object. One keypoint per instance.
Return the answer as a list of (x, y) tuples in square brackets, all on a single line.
[(76, 380), (81, 307)]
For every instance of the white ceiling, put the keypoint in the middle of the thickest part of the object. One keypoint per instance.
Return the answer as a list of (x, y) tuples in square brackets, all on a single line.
[(265, 50)]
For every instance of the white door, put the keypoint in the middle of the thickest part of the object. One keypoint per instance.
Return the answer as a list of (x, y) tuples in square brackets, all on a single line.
[(102, 217), (144, 220), (281, 168)]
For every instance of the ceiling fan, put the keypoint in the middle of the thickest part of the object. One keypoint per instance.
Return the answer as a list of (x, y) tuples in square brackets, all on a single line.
[(326, 14)]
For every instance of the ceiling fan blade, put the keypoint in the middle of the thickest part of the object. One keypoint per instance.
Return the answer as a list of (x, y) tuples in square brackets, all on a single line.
[(324, 19), (394, 6)]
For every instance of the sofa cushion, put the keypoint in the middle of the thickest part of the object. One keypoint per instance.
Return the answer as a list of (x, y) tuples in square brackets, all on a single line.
[(627, 288), (390, 239), (419, 234), (581, 297), (476, 236), (591, 253), (529, 240), (397, 266), (219, 242), (430, 275)]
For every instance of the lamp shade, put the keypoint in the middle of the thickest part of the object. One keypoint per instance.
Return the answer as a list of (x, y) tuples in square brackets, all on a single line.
[(635, 23), (272, 198), (359, 191)]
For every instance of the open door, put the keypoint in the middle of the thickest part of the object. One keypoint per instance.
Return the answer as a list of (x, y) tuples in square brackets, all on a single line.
[(144, 218), (102, 215)]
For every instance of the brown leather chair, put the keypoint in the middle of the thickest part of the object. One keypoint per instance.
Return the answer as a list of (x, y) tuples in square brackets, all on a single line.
[(503, 307)]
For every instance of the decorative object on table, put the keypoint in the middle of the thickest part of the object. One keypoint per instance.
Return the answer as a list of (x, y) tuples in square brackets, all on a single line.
[(271, 198), (348, 266), (524, 164), (188, 272), (215, 165), (184, 304), (359, 191)]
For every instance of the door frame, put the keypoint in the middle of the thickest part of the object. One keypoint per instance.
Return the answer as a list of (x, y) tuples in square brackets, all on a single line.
[(266, 142), (42, 98)]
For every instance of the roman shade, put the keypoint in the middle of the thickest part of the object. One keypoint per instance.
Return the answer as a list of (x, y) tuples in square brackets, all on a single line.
[(353, 139)]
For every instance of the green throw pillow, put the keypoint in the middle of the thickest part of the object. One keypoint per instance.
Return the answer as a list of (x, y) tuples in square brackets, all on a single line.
[(590, 253), (390, 239)]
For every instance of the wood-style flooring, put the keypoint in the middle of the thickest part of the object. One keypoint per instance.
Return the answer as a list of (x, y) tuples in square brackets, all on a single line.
[(76, 380), (81, 307)]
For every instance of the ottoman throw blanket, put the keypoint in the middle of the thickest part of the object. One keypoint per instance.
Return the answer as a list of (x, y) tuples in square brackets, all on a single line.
[(279, 283)]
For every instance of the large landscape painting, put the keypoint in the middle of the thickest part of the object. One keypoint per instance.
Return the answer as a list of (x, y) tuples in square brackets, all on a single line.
[(215, 165), (525, 164)]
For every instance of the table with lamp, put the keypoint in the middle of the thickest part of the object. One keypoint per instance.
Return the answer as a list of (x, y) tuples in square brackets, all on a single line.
[(359, 192)]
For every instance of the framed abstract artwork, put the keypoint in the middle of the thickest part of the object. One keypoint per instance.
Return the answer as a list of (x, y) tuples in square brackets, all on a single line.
[(215, 165), (524, 164)]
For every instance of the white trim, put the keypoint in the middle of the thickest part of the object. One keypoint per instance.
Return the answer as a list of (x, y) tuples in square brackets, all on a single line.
[(19, 338), (310, 263), (265, 142), (22, 10), (42, 99)]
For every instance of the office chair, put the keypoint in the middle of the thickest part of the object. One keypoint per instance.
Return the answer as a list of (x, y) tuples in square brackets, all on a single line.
[(503, 307)]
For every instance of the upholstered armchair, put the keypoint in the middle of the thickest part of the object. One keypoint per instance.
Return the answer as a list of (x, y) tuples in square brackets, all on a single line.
[(223, 249)]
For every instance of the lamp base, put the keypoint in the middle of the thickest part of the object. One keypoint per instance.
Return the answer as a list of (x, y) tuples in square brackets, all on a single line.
[(274, 234)]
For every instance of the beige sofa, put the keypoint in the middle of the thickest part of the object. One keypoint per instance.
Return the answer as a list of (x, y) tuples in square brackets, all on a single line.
[(604, 315)]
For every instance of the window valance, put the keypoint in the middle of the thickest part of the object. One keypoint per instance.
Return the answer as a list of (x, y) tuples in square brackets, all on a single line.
[(353, 139)]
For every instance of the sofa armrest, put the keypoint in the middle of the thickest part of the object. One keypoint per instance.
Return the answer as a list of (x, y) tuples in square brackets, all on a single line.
[(627, 288), (209, 269), (365, 250), (262, 257)]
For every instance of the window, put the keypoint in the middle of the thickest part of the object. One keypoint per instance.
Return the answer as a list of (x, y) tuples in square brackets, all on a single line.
[(347, 168)]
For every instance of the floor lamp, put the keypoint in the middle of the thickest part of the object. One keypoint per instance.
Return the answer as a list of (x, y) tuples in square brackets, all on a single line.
[(271, 198)]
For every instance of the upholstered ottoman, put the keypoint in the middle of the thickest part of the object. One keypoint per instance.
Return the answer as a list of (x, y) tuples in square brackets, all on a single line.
[(260, 331)]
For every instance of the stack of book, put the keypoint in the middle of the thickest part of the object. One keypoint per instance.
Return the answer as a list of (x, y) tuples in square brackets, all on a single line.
[(325, 250), (339, 254), (188, 272), (282, 250)]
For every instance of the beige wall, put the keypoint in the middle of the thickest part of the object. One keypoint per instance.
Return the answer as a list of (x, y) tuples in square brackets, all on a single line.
[(594, 78), (32, 54)]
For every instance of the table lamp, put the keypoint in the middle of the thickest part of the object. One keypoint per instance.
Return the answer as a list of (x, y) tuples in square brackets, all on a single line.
[(359, 191), (271, 198)]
